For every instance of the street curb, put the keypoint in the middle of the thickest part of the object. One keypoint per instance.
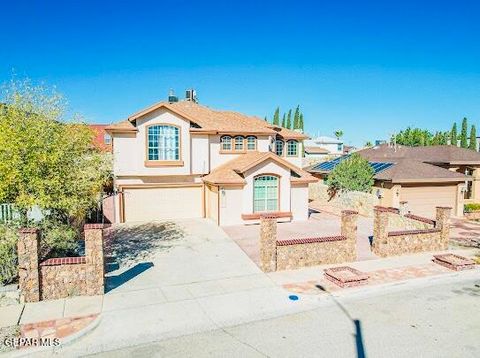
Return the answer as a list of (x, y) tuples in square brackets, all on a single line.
[(65, 341)]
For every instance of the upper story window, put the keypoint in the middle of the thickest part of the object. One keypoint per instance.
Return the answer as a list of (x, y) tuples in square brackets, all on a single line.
[(107, 139), (226, 143), (163, 142), (292, 148), (239, 143), (251, 143), (279, 144), (339, 147)]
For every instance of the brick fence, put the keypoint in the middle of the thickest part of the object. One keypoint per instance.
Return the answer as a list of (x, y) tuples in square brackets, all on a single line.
[(295, 253), (60, 277), (417, 235)]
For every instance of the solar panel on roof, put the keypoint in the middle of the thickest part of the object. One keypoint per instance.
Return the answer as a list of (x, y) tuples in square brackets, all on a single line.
[(330, 165)]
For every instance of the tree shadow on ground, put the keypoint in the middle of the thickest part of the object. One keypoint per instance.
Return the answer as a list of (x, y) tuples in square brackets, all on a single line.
[(112, 282), (129, 245)]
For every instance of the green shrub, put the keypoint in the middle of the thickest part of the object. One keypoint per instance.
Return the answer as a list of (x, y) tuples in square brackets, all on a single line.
[(8, 254), (352, 174), (468, 208), (58, 239)]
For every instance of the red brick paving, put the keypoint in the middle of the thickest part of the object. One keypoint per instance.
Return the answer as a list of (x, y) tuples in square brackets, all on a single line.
[(59, 328)]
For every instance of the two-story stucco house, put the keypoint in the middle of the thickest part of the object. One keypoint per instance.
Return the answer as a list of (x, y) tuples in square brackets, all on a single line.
[(184, 160)]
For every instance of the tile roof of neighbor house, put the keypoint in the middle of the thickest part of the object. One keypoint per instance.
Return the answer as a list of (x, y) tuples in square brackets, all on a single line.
[(232, 171), (316, 150), (435, 154), (409, 170), (210, 120)]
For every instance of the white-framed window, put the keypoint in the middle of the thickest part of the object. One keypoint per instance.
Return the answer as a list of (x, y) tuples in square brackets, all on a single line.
[(163, 142), (239, 143), (265, 193), (107, 139), (339, 147), (279, 144), (251, 143), (292, 148), (226, 143)]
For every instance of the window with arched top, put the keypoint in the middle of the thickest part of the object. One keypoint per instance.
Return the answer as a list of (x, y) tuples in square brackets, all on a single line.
[(292, 148), (239, 143), (251, 143), (163, 142), (265, 193), (226, 143), (279, 144)]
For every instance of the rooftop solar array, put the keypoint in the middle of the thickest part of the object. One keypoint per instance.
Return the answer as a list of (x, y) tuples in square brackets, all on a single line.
[(330, 165)]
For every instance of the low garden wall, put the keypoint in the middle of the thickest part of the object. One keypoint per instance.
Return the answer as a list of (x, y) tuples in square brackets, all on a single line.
[(417, 234), (60, 277), (295, 253)]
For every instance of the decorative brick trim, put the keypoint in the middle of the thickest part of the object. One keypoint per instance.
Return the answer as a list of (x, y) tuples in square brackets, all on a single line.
[(454, 262), (413, 232), (310, 240), (27, 230), (93, 226), (349, 212), (420, 218), (273, 215), (385, 209), (64, 261), (346, 276)]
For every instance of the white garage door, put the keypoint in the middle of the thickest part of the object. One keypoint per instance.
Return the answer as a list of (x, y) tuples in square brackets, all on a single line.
[(422, 200), (148, 204)]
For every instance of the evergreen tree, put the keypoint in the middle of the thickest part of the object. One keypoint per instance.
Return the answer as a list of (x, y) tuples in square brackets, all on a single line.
[(453, 135), (266, 120), (473, 138), (301, 122), (463, 134), (289, 119), (283, 121), (276, 117), (296, 118)]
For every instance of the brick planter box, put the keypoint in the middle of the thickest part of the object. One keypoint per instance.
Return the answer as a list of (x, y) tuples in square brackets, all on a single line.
[(345, 276), (454, 262), (473, 215)]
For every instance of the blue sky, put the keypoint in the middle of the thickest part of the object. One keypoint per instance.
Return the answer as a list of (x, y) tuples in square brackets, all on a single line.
[(366, 67)]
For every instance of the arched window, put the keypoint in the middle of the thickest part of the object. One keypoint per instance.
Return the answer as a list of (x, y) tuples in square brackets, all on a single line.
[(226, 143), (163, 142), (292, 148), (279, 144), (239, 143), (265, 193), (251, 143)]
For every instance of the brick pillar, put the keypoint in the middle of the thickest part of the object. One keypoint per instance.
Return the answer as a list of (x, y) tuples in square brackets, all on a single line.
[(268, 243), (349, 230), (380, 231), (94, 259), (442, 223), (28, 247), (403, 208)]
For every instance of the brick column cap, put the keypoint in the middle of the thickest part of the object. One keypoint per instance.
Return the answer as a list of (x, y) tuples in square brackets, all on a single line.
[(349, 212), (444, 207), (94, 226), (27, 230)]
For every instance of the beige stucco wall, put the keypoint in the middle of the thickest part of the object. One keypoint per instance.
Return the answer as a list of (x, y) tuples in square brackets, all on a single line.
[(200, 152), (231, 200), (299, 202)]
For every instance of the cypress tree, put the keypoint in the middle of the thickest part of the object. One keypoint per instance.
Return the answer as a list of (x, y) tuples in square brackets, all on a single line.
[(276, 117), (473, 138), (301, 122), (289, 119), (296, 118), (463, 134), (283, 121), (266, 120), (453, 135)]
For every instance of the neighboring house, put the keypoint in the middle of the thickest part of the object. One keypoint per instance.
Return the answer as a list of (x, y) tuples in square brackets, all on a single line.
[(323, 146), (102, 140), (424, 177), (184, 160)]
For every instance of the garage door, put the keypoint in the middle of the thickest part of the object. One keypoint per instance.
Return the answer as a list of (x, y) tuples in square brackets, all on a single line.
[(148, 204), (422, 200)]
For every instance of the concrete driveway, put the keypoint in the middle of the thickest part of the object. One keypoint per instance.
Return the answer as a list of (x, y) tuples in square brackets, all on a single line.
[(319, 224)]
